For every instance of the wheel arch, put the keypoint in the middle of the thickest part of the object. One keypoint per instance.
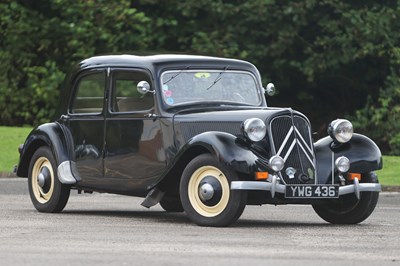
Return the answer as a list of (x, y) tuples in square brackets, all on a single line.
[(26, 155), (223, 146), (170, 182), (59, 140)]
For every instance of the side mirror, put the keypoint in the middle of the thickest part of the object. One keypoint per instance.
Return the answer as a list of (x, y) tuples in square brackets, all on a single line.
[(270, 89), (143, 87)]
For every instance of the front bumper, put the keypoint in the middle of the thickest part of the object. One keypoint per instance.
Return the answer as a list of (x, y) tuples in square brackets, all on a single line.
[(275, 187)]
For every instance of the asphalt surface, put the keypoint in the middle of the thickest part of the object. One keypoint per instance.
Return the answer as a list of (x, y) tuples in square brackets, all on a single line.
[(106, 229)]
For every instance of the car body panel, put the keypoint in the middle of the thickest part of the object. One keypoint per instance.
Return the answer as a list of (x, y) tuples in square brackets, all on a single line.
[(53, 135), (362, 152)]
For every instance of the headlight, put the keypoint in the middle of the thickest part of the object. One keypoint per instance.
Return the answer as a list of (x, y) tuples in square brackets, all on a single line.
[(340, 130), (276, 163), (254, 129), (342, 164)]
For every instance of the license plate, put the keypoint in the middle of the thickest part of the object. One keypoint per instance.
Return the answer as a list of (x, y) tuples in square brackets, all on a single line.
[(312, 191)]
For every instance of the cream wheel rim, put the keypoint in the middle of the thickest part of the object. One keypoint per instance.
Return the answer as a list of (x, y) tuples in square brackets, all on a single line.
[(42, 180), (201, 191)]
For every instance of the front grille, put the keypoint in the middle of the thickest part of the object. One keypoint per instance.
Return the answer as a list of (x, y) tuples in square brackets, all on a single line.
[(291, 139)]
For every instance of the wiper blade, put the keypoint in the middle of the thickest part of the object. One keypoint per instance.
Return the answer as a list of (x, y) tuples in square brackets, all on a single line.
[(177, 74), (218, 78)]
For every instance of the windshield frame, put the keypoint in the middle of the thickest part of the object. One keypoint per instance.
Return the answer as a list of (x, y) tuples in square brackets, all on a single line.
[(220, 102)]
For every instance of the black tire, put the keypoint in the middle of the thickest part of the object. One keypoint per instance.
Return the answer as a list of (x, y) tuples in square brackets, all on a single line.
[(214, 204), (348, 209), (47, 193), (170, 204)]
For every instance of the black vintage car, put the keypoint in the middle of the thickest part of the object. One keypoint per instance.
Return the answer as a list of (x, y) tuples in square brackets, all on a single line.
[(194, 134)]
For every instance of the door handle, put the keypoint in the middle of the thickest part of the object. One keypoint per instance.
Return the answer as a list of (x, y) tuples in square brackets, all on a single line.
[(64, 117), (151, 115)]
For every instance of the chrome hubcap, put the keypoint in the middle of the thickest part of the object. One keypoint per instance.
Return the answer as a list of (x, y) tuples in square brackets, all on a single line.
[(40, 180), (210, 190), (44, 177), (206, 192)]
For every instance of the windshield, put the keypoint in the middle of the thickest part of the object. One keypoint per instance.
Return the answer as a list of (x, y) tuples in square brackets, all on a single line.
[(208, 86)]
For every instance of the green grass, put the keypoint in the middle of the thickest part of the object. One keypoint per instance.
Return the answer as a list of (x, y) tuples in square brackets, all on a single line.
[(390, 174), (11, 137)]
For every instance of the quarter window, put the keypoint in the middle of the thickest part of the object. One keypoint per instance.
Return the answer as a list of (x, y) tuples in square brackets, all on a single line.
[(89, 96)]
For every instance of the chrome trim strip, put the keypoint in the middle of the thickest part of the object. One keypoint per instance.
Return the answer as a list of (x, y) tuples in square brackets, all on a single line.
[(333, 168), (65, 173), (308, 157), (285, 141), (311, 147), (273, 186), (256, 185), (290, 150), (301, 137)]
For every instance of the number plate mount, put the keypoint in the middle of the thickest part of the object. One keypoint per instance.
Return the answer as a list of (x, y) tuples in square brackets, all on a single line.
[(312, 191)]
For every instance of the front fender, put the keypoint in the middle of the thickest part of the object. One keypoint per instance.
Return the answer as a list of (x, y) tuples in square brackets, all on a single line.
[(223, 146), (363, 153), (227, 150), (59, 140)]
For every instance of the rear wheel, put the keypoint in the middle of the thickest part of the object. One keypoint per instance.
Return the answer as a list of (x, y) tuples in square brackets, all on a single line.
[(205, 193), (348, 209), (47, 193)]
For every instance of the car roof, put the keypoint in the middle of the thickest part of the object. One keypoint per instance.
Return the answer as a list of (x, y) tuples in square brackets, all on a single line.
[(157, 62)]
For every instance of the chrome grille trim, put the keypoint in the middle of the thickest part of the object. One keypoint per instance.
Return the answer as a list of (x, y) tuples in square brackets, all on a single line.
[(296, 147), (285, 140), (289, 150), (301, 137)]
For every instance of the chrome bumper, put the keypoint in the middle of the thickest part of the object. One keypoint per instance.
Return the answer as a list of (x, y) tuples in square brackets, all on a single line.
[(273, 186)]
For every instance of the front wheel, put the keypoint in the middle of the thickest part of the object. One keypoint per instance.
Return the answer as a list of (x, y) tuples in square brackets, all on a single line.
[(205, 193), (348, 209), (171, 204), (47, 193)]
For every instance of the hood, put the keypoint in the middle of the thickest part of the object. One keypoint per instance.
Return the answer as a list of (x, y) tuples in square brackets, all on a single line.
[(187, 125)]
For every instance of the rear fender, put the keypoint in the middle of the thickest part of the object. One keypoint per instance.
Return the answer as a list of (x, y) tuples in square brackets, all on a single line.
[(58, 138), (363, 153)]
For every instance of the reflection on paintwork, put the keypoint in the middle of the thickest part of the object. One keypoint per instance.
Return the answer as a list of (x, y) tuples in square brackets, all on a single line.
[(86, 151)]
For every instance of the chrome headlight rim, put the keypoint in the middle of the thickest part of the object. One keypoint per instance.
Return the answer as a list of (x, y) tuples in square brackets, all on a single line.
[(342, 164), (254, 129), (341, 130), (276, 163)]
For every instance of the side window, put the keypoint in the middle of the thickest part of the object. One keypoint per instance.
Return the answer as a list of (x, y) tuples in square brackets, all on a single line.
[(89, 95), (125, 97)]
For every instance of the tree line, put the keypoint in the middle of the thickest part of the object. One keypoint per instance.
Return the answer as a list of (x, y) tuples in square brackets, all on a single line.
[(328, 58)]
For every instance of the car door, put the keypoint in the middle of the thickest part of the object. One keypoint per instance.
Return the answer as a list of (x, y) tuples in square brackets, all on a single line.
[(86, 124), (134, 154)]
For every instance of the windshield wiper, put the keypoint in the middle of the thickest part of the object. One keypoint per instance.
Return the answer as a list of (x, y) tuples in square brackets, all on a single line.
[(177, 74), (218, 78)]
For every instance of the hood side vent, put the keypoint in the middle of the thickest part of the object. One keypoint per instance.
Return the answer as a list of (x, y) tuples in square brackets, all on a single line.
[(191, 129)]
